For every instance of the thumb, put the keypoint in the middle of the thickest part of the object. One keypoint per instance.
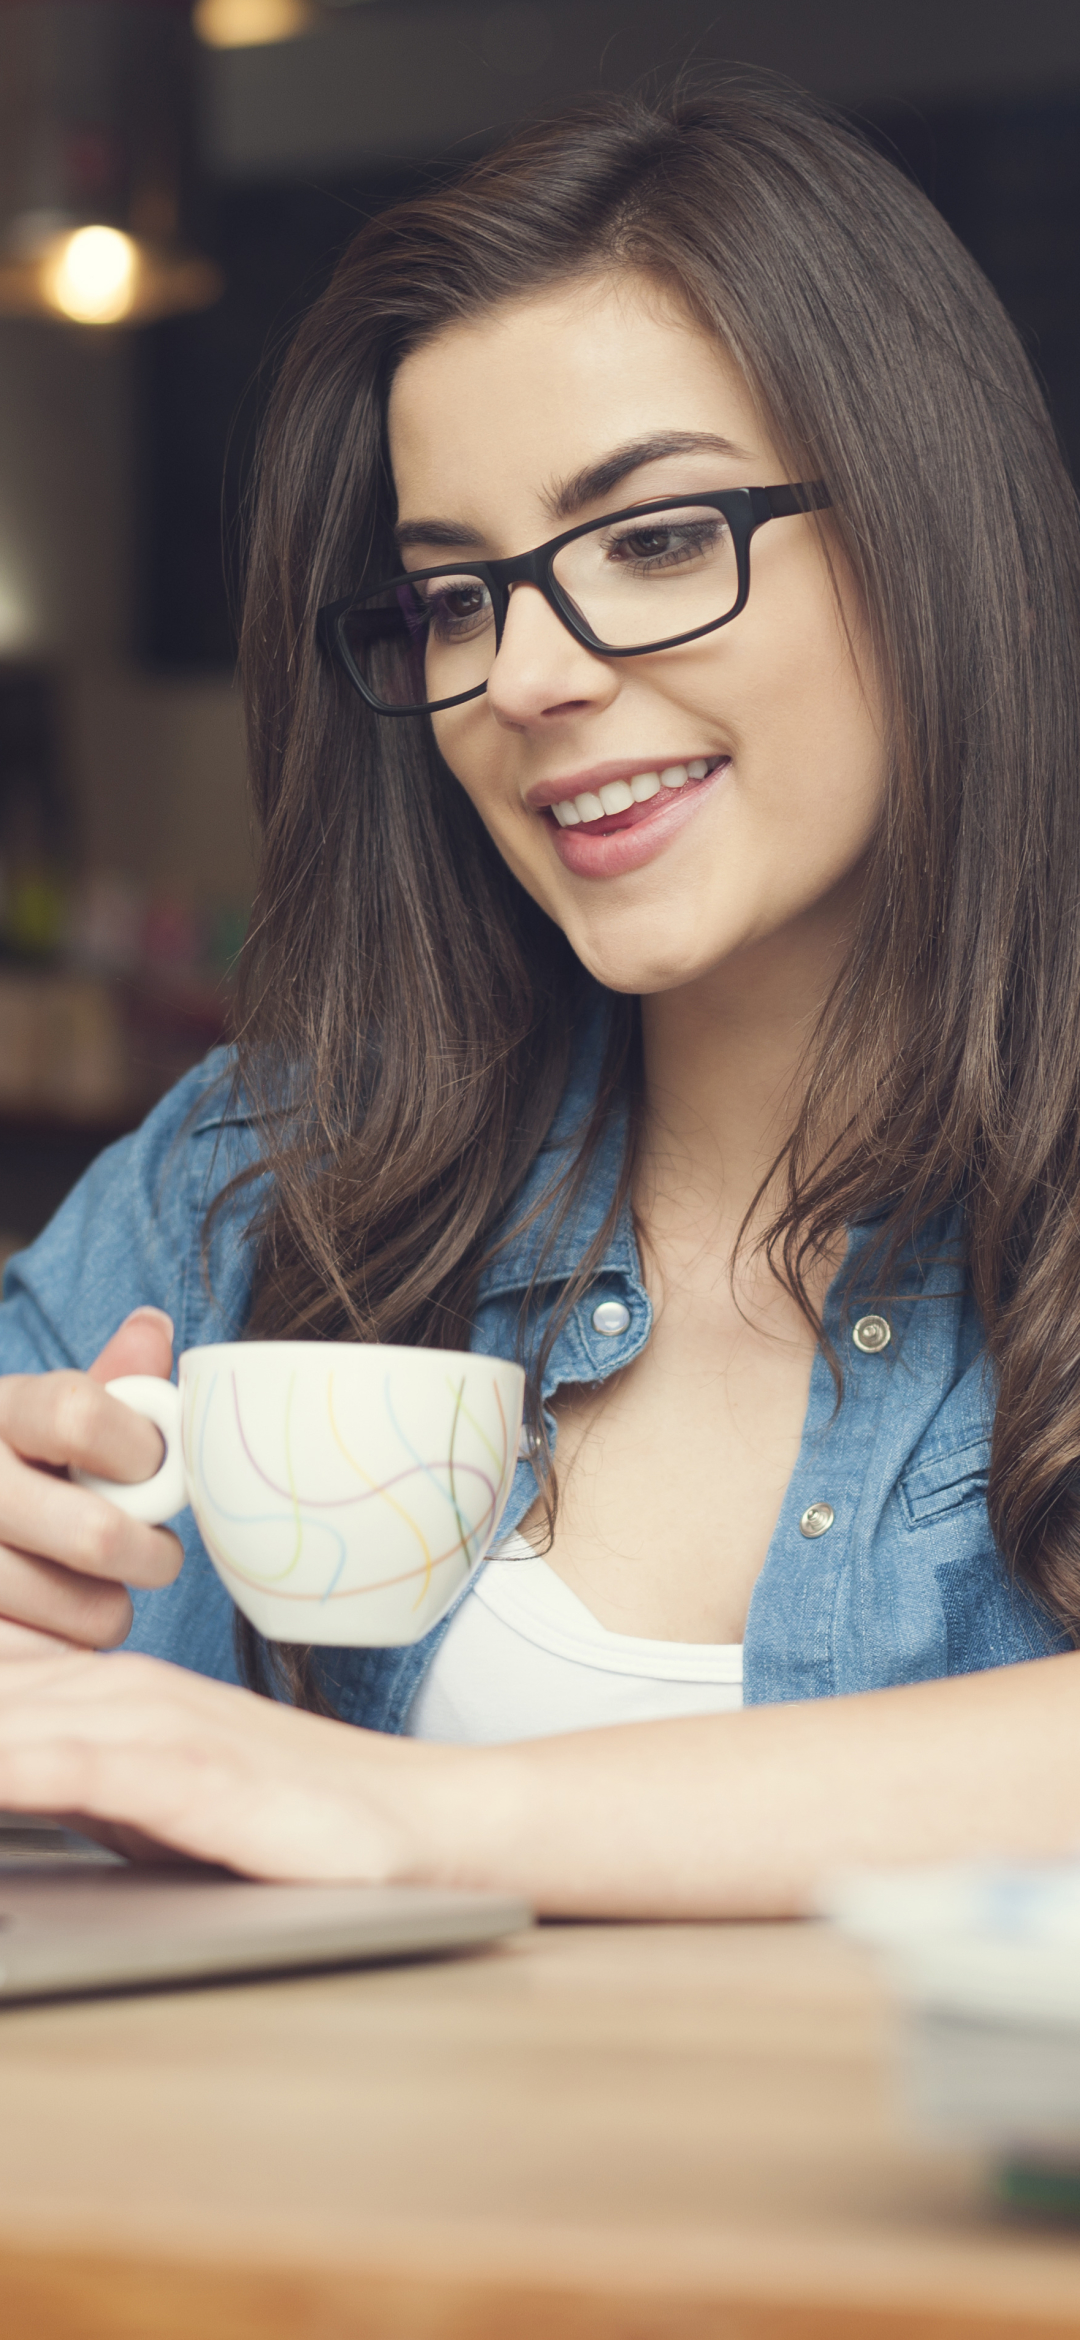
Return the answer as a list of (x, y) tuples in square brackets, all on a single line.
[(143, 1344)]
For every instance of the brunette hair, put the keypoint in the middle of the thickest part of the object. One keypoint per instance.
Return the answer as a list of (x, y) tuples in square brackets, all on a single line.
[(407, 1007)]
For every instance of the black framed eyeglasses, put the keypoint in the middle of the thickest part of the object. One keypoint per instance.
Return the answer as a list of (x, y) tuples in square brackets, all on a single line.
[(646, 578)]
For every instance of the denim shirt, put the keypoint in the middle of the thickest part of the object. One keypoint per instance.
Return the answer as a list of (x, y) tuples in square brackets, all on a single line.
[(905, 1584)]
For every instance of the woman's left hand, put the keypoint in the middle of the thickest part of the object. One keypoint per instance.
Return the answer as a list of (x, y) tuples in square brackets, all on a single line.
[(153, 1759)]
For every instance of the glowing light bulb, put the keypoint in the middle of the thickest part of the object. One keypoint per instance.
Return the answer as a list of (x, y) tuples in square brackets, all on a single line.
[(93, 275), (248, 24)]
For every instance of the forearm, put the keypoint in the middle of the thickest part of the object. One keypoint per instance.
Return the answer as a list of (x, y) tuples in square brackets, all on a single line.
[(739, 1815), (745, 1815)]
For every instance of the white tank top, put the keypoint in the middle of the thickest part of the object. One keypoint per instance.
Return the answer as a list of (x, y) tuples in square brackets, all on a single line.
[(524, 1659)]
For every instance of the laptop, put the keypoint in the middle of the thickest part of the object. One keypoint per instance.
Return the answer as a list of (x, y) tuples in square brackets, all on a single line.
[(75, 1918)]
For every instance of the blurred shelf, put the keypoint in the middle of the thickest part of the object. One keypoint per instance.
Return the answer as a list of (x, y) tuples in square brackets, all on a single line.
[(33, 1126)]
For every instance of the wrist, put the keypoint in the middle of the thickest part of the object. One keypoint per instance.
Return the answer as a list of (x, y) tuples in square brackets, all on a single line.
[(439, 1814)]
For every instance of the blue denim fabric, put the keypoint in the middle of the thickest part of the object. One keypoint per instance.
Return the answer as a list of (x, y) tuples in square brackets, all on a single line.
[(906, 1584)]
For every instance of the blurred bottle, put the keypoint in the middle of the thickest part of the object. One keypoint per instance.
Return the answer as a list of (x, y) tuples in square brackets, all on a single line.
[(105, 927)]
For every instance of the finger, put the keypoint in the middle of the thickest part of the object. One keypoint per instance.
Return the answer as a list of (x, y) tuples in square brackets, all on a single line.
[(86, 1612), (110, 1746), (142, 1344), (81, 1530), (68, 1419), (144, 1809), (133, 1844), (19, 1642), (200, 1766)]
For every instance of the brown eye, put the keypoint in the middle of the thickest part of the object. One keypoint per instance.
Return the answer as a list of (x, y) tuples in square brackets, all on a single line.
[(454, 609), (667, 546), (647, 544)]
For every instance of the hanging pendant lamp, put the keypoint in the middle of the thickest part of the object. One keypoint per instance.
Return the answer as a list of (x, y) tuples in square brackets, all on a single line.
[(96, 161), (252, 24)]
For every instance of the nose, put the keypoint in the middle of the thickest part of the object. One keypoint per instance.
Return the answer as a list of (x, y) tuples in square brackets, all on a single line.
[(541, 672)]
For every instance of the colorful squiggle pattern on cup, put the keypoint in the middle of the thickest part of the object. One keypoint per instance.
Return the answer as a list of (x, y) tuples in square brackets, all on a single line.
[(300, 1543)]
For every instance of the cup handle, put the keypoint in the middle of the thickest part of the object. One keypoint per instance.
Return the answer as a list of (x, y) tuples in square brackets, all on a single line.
[(158, 1499)]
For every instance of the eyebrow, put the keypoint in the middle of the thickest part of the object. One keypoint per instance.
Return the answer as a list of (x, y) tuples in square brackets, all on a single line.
[(588, 486)]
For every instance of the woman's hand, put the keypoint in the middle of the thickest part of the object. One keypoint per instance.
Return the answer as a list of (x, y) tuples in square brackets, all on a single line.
[(66, 1555), (156, 1761)]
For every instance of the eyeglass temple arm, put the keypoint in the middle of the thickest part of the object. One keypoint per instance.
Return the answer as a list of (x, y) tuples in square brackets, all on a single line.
[(782, 503)]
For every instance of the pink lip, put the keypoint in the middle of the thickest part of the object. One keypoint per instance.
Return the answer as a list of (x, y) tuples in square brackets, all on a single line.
[(627, 840)]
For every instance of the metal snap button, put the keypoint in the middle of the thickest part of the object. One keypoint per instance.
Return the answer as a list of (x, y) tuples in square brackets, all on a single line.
[(871, 1334), (611, 1317), (816, 1519)]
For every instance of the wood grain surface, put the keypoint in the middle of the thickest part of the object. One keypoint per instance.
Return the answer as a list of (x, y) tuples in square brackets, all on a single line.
[(591, 2133)]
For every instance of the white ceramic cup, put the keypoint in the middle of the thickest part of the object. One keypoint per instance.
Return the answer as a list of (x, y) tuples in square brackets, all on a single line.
[(343, 1492)]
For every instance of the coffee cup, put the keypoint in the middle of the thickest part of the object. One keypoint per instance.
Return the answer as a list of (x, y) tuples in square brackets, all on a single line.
[(344, 1492)]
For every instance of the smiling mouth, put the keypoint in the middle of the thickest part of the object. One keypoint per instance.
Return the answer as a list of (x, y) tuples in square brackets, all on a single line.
[(621, 804)]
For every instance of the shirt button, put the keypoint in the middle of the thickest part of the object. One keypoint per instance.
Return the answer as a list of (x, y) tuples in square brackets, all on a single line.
[(611, 1317), (816, 1519), (871, 1334)]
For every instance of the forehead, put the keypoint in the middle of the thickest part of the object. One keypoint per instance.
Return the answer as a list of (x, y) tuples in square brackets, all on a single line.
[(541, 386)]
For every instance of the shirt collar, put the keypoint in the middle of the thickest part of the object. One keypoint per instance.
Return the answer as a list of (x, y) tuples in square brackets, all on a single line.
[(525, 1234)]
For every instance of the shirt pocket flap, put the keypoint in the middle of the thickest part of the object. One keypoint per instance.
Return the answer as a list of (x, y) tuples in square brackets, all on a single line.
[(942, 1481)]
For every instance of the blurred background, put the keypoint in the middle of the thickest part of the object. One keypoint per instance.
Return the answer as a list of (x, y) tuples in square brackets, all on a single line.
[(176, 181)]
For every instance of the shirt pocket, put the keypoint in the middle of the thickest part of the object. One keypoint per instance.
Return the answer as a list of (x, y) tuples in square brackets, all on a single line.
[(940, 1483)]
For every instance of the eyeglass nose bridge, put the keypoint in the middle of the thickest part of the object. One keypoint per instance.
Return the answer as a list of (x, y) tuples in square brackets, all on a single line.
[(531, 568)]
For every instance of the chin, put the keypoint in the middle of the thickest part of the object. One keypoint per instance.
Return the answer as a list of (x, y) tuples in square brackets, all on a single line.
[(636, 971)]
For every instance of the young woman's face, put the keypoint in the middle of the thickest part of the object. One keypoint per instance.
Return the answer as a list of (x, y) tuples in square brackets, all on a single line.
[(776, 717)]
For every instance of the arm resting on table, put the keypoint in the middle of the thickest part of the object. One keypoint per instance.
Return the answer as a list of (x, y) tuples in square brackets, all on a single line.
[(740, 1815), (745, 1815)]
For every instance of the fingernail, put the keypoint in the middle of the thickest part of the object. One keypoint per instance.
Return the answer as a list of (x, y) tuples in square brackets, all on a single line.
[(159, 1317)]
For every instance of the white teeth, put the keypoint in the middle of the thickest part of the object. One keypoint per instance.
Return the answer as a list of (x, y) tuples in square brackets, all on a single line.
[(644, 785), (617, 796)]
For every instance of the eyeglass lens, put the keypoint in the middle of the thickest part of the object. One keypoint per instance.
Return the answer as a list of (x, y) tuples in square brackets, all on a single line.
[(634, 582)]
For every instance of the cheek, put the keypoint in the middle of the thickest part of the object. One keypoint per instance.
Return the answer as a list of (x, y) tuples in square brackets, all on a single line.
[(462, 736), (475, 757), (817, 706), (468, 753)]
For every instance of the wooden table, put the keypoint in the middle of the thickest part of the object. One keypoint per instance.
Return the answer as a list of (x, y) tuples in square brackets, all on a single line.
[(592, 2133)]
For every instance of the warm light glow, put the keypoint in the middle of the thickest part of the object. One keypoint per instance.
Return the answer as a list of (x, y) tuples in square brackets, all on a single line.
[(247, 24), (92, 275), (99, 276)]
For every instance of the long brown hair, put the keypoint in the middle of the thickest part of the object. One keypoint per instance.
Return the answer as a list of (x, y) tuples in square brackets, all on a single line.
[(407, 1006)]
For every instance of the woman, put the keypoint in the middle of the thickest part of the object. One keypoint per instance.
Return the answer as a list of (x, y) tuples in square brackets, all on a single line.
[(662, 661)]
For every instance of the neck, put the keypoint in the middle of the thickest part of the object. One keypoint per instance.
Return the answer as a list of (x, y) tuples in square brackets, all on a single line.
[(726, 1069)]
